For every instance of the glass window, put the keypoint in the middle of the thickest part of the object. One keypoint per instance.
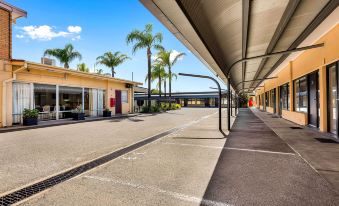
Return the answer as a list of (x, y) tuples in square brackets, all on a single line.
[(124, 96), (70, 98), (284, 96), (21, 100), (300, 95), (267, 99), (45, 100), (332, 98), (272, 98), (94, 102)]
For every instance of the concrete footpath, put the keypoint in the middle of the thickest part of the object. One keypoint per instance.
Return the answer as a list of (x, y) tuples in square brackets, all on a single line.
[(196, 165), (313, 146)]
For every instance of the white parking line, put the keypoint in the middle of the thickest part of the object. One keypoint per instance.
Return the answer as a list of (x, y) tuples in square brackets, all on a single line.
[(229, 148), (176, 195)]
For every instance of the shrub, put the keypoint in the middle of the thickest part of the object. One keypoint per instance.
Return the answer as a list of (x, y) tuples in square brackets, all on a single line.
[(153, 109), (30, 113), (178, 106)]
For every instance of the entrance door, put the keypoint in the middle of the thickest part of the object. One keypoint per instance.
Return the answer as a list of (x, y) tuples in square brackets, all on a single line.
[(274, 104), (117, 102), (332, 97), (280, 101), (313, 115)]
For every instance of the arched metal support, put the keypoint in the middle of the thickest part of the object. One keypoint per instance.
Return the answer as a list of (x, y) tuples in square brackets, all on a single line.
[(272, 54), (219, 91)]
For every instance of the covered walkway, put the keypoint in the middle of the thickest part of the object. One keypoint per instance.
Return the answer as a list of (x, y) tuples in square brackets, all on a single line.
[(257, 167)]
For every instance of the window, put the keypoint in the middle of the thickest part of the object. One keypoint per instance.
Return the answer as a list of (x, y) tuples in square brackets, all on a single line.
[(272, 98), (21, 100), (124, 96), (267, 99), (284, 96), (45, 100), (300, 95)]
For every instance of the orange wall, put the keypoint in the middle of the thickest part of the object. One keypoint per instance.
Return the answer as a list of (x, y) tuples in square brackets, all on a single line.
[(307, 62)]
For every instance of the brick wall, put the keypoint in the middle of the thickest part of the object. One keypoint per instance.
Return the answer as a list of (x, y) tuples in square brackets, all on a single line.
[(5, 35)]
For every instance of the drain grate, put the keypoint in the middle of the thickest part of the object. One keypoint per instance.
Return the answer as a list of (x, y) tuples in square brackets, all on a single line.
[(324, 140), (30, 190), (296, 128)]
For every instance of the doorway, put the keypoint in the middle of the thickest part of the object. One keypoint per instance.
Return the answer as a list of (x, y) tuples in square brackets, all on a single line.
[(273, 100), (332, 98), (313, 100), (117, 102)]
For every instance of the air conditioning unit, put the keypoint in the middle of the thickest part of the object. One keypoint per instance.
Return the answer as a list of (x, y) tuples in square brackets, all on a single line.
[(48, 61)]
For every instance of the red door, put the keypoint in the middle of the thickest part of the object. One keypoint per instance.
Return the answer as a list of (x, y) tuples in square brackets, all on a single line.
[(117, 102)]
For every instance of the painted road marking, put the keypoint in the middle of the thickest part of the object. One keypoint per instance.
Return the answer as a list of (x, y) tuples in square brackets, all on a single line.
[(155, 189), (229, 148)]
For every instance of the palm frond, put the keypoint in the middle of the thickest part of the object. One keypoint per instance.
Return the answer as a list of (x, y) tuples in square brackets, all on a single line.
[(177, 57)]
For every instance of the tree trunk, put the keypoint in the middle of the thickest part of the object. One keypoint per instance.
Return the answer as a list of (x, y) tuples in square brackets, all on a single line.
[(170, 85), (165, 87), (149, 53), (113, 72), (66, 66), (159, 85)]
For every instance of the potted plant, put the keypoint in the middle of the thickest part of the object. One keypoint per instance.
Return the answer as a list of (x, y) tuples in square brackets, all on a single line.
[(78, 114), (30, 117), (107, 113)]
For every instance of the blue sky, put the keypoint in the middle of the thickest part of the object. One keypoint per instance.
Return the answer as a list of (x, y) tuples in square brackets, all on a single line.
[(94, 27)]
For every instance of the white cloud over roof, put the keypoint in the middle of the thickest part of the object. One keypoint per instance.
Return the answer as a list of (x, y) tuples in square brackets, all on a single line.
[(45, 32)]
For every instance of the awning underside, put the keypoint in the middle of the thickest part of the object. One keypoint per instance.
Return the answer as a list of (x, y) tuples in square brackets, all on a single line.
[(220, 32)]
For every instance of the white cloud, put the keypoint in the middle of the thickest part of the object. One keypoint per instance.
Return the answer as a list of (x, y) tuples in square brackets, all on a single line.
[(46, 32), (174, 54), (74, 29)]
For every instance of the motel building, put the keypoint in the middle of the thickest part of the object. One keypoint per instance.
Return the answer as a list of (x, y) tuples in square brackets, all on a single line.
[(305, 90), (54, 91)]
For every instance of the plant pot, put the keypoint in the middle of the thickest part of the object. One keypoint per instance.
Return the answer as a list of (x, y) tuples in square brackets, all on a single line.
[(78, 116), (107, 114), (30, 121)]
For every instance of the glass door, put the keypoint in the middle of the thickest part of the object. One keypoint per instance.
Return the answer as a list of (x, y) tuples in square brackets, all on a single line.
[(332, 90)]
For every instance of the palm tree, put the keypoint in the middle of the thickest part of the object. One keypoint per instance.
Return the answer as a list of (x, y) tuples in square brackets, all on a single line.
[(167, 76), (112, 60), (65, 55), (146, 40), (158, 73), (164, 57), (82, 67)]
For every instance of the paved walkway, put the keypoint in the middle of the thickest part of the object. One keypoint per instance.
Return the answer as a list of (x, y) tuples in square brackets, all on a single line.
[(258, 168), (311, 144)]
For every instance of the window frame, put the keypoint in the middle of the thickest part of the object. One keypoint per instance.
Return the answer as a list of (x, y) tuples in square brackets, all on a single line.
[(300, 98)]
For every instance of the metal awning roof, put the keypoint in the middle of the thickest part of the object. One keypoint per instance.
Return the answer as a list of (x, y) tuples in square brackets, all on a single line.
[(221, 32)]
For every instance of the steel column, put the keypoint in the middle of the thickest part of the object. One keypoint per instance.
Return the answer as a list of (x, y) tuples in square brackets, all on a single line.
[(219, 91)]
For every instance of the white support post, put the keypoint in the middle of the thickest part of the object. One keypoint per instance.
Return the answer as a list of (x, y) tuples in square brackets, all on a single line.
[(32, 105), (83, 100), (57, 104)]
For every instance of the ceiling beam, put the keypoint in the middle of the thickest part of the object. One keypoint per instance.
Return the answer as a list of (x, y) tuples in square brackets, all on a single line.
[(285, 19), (245, 28), (195, 28), (322, 15)]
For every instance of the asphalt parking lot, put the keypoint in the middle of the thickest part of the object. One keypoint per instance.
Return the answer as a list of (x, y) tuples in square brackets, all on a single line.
[(193, 165)]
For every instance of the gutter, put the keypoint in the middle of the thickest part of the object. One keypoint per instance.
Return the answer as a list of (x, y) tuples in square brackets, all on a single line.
[(4, 94)]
